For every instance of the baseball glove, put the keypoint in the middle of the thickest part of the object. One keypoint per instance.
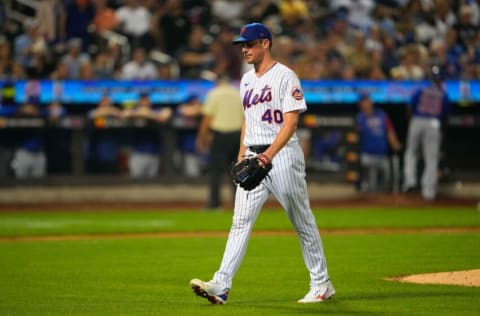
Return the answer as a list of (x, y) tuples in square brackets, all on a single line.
[(250, 172)]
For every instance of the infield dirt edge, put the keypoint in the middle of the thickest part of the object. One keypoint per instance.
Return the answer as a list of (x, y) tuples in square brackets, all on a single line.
[(469, 278)]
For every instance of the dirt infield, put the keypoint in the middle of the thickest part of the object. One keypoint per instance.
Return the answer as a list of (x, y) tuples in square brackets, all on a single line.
[(266, 233), (462, 278)]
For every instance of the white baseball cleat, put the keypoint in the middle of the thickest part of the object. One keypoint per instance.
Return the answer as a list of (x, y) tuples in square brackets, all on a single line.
[(212, 291), (319, 293)]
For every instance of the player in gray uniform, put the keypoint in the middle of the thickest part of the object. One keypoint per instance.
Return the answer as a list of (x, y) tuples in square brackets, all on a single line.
[(428, 107), (272, 100)]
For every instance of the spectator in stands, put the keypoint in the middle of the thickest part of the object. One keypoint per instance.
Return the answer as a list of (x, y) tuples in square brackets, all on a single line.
[(408, 69), (376, 134), (414, 11), (29, 159), (228, 11), (306, 34), (293, 12), (105, 18), (475, 8), (134, 21), (50, 14), (116, 57), (199, 12), (74, 58), (311, 64), (140, 67), (40, 66), (60, 72), (448, 67), (228, 58), (145, 142), (18, 72), (359, 12), (26, 42), (444, 16), (284, 50), (87, 71), (103, 145), (103, 66), (454, 49), (338, 34), (373, 40), (470, 69), (358, 57), (466, 30), (260, 10), (6, 59), (389, 54), (426, 30), (174, 27), (335, 66), (195, 57), (375, 71), (78, 19)]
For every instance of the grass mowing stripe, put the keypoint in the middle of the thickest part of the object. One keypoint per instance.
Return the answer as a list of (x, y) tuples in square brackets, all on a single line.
[(44, 223), (264, 233)]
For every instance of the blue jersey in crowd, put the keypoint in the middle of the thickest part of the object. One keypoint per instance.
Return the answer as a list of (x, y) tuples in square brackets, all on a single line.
[(373, 132), (33, 143), (430, 102)]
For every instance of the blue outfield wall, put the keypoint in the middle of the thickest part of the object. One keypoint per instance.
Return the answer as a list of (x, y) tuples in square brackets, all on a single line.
[(177, 91)]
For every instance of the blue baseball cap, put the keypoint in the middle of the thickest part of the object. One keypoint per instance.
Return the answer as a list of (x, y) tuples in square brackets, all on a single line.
[(251, 32)]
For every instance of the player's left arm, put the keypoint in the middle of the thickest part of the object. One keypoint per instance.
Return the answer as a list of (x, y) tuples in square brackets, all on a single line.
[(204, 136), (392, 136), (286, 132), (243, 149), (446, 109)]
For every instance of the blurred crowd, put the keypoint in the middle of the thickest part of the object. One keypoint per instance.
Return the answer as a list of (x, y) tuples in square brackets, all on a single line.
[(170, 39)]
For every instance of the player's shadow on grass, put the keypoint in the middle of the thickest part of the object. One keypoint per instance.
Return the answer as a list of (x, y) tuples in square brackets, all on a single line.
[(406, 295), (336, 307), (346, 304)]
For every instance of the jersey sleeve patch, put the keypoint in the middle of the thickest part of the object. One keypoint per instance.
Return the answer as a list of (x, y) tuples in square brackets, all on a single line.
[(297, 93)]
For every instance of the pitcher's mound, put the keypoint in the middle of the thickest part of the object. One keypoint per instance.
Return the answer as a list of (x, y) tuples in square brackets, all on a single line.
[(463, 278)]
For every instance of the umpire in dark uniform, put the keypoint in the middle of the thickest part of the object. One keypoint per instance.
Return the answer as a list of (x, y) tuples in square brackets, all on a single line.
[(219, 133)]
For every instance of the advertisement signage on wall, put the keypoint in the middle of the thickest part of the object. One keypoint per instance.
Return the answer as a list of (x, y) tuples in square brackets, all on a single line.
[(177, 91)]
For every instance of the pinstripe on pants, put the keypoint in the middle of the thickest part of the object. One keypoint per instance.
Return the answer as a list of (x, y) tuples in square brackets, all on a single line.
[(287, 183)]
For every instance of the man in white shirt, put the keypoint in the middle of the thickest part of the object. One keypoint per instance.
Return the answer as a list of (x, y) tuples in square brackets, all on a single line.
[(139, 68), (133, 18)]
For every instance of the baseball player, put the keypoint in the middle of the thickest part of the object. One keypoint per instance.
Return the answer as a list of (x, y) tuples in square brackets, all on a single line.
[(376, 134), (272, 100), (428, 107), (144, 156), (29, 159)]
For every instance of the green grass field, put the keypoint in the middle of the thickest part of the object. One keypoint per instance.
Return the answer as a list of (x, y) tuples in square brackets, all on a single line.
[(126, 274)]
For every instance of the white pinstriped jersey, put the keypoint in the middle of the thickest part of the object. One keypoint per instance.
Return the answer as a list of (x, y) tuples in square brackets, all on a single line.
[(266, 99)]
